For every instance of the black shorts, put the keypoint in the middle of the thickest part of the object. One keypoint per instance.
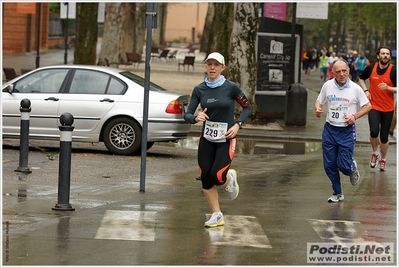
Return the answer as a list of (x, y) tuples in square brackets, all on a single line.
[(379, 123), (214, 160)]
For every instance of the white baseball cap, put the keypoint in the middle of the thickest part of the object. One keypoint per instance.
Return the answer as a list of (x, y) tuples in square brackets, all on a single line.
[(216, 56)]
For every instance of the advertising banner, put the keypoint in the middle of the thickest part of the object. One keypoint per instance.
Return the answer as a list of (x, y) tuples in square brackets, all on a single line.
[(274, 61), (312, 10), (275, 10)]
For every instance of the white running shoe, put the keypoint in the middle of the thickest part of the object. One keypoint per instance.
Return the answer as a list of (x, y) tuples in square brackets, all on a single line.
[(335, 198), (232, 188), (215, 220), (355, 176)]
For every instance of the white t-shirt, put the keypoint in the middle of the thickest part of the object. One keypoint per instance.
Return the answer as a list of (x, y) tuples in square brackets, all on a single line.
[(331, 59), (341, 103)]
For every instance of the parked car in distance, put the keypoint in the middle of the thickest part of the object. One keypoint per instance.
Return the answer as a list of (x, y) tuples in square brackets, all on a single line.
[(106, 104)]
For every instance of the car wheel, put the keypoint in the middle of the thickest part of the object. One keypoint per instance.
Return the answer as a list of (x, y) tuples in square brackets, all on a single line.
[(122, 136), (150, 144)]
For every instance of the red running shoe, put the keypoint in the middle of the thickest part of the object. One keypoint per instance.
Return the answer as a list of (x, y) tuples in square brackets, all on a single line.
[(373, 160), (383, 164)]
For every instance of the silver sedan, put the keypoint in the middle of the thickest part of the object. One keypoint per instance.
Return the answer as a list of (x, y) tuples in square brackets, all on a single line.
[(106, 104)]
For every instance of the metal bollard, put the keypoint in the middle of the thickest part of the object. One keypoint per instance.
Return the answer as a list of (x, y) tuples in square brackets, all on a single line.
[(64, 169), (24, 137)]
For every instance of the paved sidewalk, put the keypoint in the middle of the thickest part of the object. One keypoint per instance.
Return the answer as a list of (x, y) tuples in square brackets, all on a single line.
[(166, 74)]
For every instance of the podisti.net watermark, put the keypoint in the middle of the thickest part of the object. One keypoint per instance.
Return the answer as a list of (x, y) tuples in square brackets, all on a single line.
[(350, 253)]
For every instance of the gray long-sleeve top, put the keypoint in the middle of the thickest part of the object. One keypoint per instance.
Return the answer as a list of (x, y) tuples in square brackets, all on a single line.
[(220, 103)]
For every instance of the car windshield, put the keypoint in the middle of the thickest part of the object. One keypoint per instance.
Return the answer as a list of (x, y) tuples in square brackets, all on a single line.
[(139, 80)]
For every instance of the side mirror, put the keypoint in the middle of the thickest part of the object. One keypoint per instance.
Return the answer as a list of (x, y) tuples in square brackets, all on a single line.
[(10, 88)]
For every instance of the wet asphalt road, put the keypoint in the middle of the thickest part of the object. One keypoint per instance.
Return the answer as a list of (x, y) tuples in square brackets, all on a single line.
[(282, 206)]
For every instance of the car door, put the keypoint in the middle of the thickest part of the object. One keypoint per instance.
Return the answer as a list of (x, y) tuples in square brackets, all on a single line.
[(43, 89), (91, 95)]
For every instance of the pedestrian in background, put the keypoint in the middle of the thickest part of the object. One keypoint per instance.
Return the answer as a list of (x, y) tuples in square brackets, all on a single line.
[(382, 87), (316, 57), (349, 57), (308, 62), (330, 61), (216, 146), (360, 64), (303, 58), (342, 97), (325, 50), (323, 65), (353, 73)]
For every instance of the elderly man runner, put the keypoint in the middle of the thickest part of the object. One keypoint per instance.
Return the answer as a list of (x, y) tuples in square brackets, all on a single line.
[(342, 97)]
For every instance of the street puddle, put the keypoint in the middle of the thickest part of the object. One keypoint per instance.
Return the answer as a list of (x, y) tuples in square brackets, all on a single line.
[(253, 147)]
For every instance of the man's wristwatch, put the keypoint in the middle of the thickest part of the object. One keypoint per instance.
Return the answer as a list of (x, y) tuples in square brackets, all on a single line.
[(239, 124)]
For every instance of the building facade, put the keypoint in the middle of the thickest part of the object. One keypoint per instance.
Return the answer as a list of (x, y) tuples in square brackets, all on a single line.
[(21, 22), (184, 23)]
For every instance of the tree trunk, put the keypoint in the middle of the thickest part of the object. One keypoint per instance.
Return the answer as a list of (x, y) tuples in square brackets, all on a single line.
[(222, 26), (133, 28), (243, 62), (338, 26), (159, 31), (127, 29), (124, 30), (326, 36), (112, 32), (162, 9), (207, 34), (86, 39), (139, 27)]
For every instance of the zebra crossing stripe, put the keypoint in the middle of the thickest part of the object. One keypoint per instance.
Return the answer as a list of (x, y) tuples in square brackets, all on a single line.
[(127, 225), (338, 231), (240, 231)]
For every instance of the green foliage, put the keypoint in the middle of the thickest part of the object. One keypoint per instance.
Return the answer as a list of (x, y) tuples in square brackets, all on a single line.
[(55, 8), (356, 25)]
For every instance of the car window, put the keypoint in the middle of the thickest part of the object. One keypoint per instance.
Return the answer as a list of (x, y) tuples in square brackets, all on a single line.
[(139, 80), (44, 81), (89, 82), (115, 87), (93, 82)]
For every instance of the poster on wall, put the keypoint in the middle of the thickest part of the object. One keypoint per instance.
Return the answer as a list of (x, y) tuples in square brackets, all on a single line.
[(274, 61)]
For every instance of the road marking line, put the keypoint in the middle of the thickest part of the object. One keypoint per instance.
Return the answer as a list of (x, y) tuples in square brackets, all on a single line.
[(338, 231), (240, 231), (127, 225)]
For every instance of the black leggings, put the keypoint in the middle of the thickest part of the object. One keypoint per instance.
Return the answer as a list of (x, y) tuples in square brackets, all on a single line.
[(214, 160), (380, 123)]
